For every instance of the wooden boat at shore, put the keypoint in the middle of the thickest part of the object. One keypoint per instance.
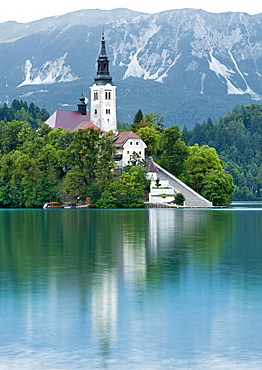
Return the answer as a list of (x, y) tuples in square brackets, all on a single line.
[(52, 205)]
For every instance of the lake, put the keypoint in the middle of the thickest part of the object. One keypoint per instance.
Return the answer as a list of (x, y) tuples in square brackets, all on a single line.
[(131, 289)]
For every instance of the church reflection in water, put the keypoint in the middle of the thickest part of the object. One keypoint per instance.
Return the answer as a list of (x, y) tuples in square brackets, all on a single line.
[(146, 248)]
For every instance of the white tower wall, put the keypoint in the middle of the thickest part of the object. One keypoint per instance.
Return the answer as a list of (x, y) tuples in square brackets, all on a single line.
[(103, 106)]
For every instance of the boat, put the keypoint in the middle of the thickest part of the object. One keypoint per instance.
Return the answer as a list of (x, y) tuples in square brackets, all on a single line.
[(52, 205)]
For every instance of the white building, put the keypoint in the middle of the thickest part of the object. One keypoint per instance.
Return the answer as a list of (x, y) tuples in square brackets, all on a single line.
[(103, 95), (127, 143)]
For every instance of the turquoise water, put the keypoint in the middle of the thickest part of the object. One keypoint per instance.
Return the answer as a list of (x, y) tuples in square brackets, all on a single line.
[(131, 289)]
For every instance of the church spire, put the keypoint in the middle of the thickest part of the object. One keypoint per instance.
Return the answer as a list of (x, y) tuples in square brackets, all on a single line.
[(103, 76), (103, 94)]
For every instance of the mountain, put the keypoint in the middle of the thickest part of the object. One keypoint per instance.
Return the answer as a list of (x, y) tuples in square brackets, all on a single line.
[(186, 64)]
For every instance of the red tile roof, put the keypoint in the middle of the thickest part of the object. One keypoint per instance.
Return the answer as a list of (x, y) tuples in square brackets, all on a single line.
[(122, 138), (88, 124), (67, 119)]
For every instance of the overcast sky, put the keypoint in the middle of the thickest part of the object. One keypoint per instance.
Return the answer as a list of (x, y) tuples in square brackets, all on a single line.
[(29, 10)]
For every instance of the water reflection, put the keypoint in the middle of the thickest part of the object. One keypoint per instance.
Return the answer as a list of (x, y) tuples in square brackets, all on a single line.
[(129, 288)]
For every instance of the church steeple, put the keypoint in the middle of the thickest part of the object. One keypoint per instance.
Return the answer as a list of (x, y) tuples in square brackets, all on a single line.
[(103, 94), (103, 76)]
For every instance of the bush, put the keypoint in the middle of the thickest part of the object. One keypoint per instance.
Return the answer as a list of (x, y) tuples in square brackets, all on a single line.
[(179, 199)]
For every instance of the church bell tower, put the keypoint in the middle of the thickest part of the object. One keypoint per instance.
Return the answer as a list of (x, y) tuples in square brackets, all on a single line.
[(103, 94)]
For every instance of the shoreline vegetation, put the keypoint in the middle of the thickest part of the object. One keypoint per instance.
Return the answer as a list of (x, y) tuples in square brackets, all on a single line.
[(39, 164)]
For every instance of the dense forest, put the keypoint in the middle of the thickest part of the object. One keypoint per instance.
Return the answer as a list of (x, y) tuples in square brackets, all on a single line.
[(237, 138), (21, 111), (39, 164)]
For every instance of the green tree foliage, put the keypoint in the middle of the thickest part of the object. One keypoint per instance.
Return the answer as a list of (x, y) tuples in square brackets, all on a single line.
[(174, 151), (90, 160), (44, 191), (206, 175), (237, 137), (20, 111), (19, 175), (105, 165), (151, 138), (37, 164), (200, 162), (138, 117), (179, 199), (126, 191), (148, 120), (218, 187)]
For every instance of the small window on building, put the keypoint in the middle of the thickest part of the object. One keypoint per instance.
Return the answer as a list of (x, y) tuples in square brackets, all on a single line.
[(107, 95), (128, 152), (95, 95), (137, 142), (140, 153), (95, 111), (107, 111), (131, 142)]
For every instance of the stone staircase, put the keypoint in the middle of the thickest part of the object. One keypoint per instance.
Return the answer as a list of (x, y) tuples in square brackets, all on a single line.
[(192, 198)]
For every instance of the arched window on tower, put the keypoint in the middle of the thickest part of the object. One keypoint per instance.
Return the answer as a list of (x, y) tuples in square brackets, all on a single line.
[(96, 95), (107, 95), (95, 111)]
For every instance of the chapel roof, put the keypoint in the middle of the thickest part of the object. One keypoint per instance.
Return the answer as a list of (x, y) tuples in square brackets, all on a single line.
[(67, 119)]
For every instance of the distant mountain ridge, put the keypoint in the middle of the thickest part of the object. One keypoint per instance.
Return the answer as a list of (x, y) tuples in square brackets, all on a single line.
[(185, 64)]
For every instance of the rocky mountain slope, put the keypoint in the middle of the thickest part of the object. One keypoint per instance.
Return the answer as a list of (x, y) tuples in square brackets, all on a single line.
[(185, 64)]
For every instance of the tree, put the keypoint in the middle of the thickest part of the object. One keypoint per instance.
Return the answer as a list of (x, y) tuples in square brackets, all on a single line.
[(60, 138), (48, 161), (200, 162), (179, 199), (89, 159), (174, 151), (9, 136), (76, 184), (151, 138), (105, 166), (207, 175), (148, 120), (138, 117), (218, 187), (44, 191), (125, 192), (82, 152), (136, 160), (21, 174)]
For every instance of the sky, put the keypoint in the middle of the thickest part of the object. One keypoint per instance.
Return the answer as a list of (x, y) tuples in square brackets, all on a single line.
[(30, 10)]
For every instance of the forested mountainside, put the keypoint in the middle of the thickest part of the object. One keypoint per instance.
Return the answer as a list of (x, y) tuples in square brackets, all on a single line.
[(184, 64), (237, 137)]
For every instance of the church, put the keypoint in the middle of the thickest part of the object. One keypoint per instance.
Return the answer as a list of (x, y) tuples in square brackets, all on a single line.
[(102, 114)]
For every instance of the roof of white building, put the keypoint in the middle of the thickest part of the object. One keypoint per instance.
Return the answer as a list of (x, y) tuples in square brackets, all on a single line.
[(123, 137)]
